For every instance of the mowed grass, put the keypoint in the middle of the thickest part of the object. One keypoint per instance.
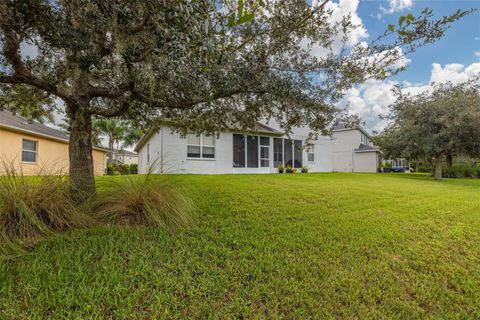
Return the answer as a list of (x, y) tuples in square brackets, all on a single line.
[(270, 246)]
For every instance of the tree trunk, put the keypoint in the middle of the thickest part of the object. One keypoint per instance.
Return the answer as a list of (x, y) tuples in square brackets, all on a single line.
[(438, 167), (449, 161), (82, 179), (110, 148)]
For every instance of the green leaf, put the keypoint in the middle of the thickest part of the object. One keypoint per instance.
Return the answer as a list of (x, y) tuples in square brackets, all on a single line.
[(240, 8), (391, 27), (231, 21), (401, 20), (246, 18)]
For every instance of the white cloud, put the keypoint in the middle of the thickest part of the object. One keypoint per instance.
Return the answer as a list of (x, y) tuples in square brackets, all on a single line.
[(339, 10), (396, 6), (454, 72), (372, 98), (477, 54)]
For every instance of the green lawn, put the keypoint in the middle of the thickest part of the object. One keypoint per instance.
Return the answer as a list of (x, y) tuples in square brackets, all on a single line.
[(270, 246)]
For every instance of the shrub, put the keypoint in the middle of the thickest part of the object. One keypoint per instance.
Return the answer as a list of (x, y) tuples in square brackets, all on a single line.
[(109, 169), (124, 168), (134, 168), (460, 170), (32, 208), (289, 169), (281, 168), (476, 170), (143, 200), (121, 169), (305, 169), (424, 167)]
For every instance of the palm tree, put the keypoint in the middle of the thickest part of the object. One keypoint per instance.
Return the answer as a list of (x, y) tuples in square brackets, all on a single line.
[(131, 137), (114, 129)]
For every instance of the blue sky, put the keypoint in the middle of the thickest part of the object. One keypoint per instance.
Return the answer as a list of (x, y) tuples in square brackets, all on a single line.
[(455, 57), (459, 45)]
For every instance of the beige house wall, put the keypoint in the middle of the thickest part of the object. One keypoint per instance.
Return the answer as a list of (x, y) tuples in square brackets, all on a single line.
[(52, 155)]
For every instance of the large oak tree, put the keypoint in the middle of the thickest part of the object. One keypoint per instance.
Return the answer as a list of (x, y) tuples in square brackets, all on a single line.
[(201, 64), (434, 124)]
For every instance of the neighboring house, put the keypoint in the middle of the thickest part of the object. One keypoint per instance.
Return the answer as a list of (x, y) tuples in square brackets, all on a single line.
[(125, 157), (261, 150), (34, 148)]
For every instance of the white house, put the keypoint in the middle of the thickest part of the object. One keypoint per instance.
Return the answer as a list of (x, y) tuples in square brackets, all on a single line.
[(261, 150)]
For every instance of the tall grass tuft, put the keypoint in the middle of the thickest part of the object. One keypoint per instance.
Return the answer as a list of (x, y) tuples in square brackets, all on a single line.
[(32, 207), (150, 200)]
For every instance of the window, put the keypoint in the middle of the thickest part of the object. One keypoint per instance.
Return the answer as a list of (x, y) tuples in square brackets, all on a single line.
[(277, 152), (29, 151), (200, 146), (311, 153), (252, 151), (297, 153), (287, 155), (365, 140), (264, 152), (238, 150)]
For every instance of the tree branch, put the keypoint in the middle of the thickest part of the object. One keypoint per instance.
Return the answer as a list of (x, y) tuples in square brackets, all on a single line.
[(21, 75), (111, 93), (302, 23)]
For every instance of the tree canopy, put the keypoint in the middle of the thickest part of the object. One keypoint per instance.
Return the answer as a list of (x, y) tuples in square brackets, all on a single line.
[(434, 124), (201, 64)]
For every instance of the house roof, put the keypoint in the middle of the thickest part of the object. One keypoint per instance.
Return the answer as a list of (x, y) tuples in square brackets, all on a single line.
[(259, 128), (13, 122), (125, 152), (342, 127), (365, 148)]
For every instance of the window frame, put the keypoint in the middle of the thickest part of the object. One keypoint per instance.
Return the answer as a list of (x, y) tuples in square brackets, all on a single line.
[(30, 151), (310, 152), (264, 146), (201, 145)]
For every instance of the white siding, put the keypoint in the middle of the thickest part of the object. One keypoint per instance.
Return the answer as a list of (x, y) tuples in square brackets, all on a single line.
[(365, 162), (168, 154)]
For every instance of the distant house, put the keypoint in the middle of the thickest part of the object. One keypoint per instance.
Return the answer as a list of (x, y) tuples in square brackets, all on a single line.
[(35, 148), (260, 150), (124, 157)]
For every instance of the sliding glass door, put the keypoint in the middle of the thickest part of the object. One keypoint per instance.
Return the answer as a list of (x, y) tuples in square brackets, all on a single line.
[(252, 151), (297, 153), (238, 151)]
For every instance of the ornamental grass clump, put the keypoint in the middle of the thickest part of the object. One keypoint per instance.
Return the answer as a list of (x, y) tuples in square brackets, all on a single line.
[(143, 200), (33, 207)]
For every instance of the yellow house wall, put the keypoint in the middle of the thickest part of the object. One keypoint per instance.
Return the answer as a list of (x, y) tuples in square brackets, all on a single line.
[(52, 155)]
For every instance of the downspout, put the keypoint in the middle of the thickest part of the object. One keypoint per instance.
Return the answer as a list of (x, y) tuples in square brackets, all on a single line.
[(161, 150), (353, 161)]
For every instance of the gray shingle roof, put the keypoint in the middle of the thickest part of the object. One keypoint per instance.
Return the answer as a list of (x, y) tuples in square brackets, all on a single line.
[(125, 152), (365, 148), (8, 119)]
